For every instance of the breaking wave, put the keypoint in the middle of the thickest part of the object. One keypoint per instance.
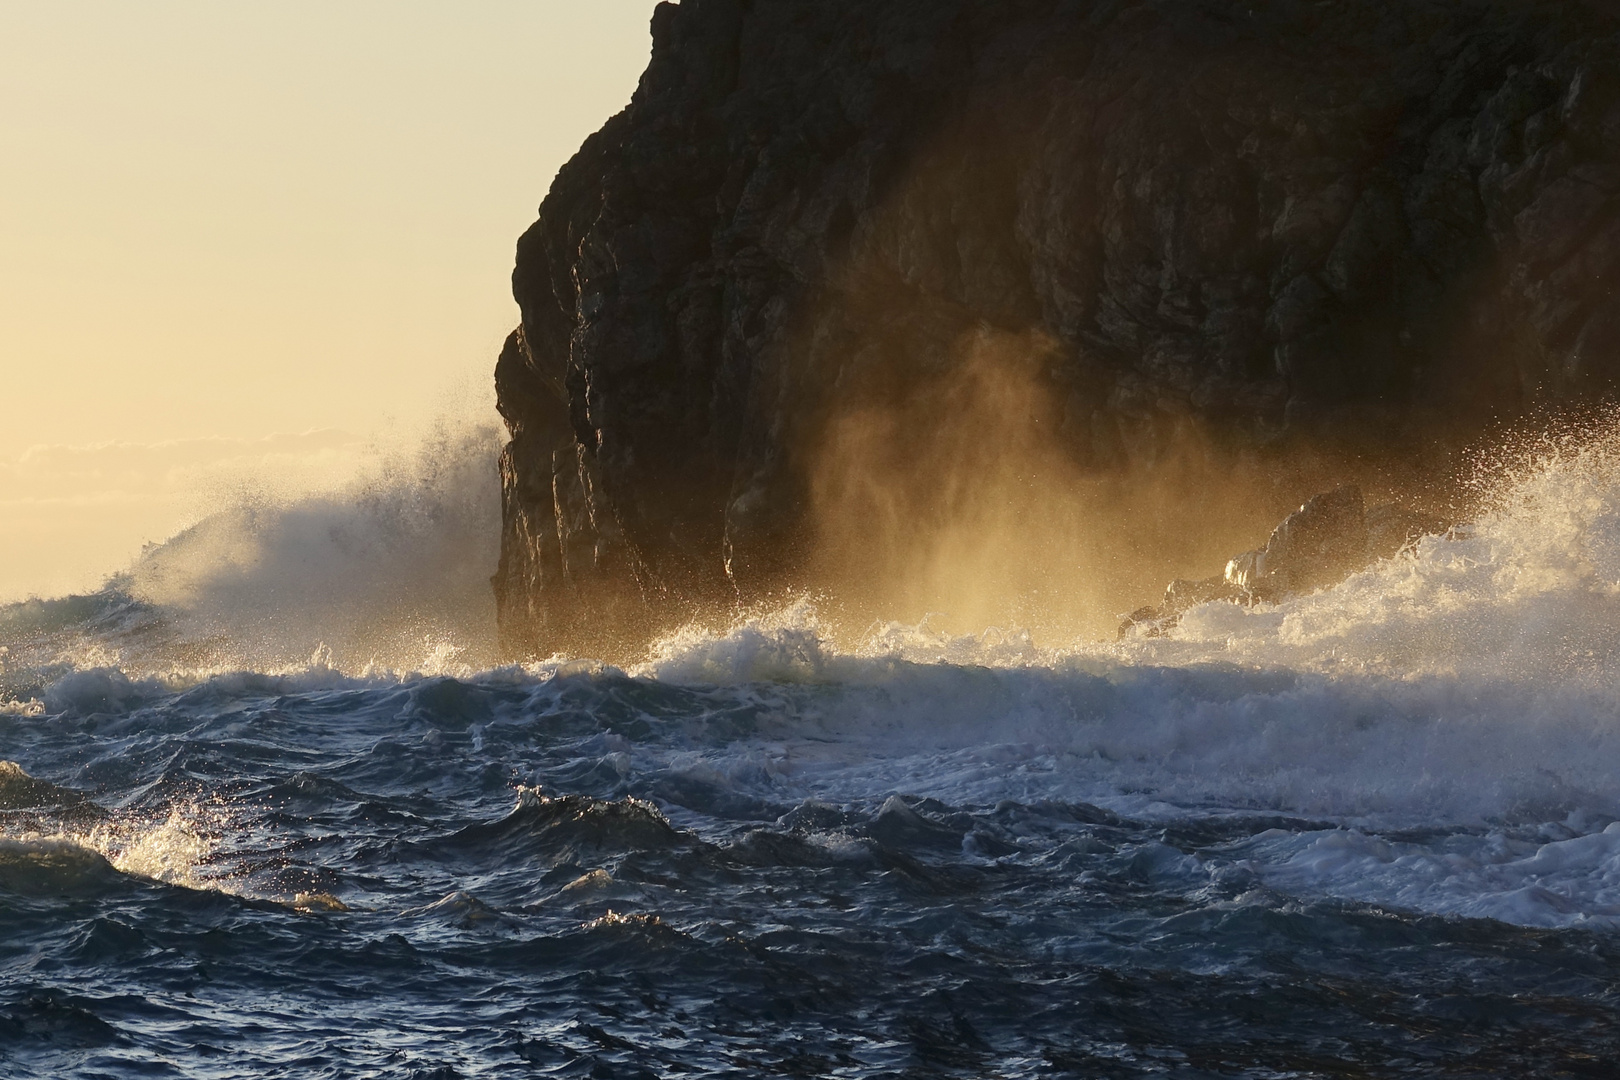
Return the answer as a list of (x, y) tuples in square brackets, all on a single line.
[(392, 570)]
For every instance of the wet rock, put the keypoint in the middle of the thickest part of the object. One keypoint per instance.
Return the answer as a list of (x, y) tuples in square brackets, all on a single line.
[(1148, 620), (1391, 528), (1322, 542), (1330, 537), (1181, 595)]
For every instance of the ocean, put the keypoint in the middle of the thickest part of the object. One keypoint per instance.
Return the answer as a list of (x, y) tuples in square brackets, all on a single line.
[(1371, 832)]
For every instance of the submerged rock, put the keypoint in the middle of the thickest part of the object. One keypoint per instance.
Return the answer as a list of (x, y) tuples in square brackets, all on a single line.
[(1351, 225)]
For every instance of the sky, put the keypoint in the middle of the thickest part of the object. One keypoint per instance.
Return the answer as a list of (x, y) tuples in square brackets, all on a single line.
[(242, 237)]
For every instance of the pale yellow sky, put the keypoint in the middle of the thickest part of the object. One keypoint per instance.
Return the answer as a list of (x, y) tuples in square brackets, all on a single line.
[(225, 222)]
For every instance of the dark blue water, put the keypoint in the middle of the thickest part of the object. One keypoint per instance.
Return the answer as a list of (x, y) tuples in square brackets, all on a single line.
[(594, 875), (1371, 833)]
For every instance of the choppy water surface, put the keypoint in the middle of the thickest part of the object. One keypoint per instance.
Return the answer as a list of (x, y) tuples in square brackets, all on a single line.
[(1367, 833)]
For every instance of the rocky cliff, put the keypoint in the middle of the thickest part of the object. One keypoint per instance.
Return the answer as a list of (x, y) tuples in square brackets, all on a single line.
[(853, 284)]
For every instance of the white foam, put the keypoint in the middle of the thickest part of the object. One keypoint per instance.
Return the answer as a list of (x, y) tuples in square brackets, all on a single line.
[(393, 570), (1557, 883), (1472, 680), (388, 574), (172, 850)]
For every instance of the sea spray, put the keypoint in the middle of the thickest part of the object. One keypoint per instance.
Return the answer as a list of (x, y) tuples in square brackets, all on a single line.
[(391, 570)]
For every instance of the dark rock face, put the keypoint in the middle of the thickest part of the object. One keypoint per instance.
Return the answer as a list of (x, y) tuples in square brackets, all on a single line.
[(1366, 225)]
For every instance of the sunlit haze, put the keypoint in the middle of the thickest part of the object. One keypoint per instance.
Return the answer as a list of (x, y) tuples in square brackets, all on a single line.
[(242, 239)]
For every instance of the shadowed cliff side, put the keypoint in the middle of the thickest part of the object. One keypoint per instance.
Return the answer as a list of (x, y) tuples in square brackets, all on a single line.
[(920, 301)]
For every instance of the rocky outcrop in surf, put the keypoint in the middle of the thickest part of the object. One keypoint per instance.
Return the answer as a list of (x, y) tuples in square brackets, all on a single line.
[(1330, 537), (1269, 231)]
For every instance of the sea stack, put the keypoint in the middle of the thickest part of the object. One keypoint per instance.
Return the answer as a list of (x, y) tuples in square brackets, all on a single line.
[(1235, 229)]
